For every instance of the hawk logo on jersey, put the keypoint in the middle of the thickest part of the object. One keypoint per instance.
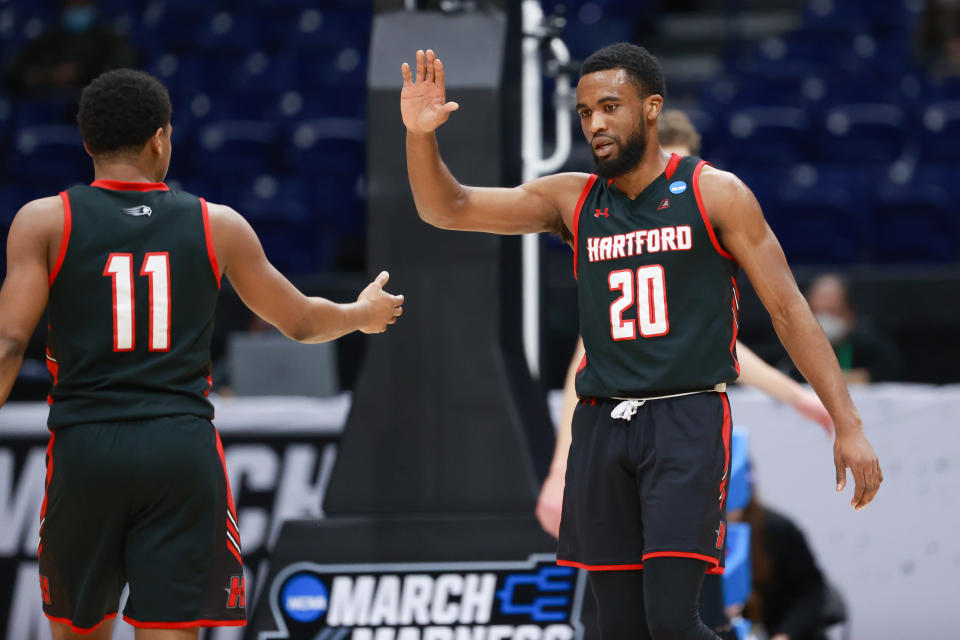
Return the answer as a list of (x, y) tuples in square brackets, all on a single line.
[(142, 210), (605, 212), (665, 203)]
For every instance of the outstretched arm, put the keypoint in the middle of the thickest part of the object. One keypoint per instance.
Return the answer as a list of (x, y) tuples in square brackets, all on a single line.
[(545, 204), (736, 215), (757, 373), (274, 298), (27, 285)]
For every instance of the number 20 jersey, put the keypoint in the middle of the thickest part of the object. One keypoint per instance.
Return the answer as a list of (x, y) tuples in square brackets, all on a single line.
[(658, 297), (131, 307)]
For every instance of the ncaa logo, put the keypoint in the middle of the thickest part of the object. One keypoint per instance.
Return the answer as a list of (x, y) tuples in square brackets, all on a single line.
[(678, 187), (305, 598)]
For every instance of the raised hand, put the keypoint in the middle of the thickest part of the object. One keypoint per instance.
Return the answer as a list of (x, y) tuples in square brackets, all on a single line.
[(851, 449), (382, 308), (423, 103)]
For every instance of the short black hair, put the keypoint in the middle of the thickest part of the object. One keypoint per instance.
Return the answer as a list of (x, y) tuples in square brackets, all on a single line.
[(644, 69), (121, 109)]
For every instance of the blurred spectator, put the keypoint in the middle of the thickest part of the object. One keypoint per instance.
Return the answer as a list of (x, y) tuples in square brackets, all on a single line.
[(865, 355), (62, 60), (790, 597), (940, 37)]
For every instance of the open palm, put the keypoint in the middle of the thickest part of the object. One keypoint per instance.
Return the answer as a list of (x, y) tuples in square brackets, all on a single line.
[(423, 104)]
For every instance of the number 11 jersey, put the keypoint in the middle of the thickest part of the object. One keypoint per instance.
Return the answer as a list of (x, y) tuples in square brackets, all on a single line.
[(658, 294), (132, 299)]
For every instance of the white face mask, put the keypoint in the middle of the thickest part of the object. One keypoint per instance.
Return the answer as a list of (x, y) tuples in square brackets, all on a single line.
[(835, 327)]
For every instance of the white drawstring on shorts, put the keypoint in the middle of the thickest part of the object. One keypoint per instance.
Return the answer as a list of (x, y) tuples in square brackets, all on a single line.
[(628, 407)]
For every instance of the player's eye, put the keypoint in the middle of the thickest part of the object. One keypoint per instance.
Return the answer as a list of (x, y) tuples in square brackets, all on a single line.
[(584, 113), (610, 108)]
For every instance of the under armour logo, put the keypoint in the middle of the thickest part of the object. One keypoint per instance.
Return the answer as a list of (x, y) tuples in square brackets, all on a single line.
[(664, 204), (235, 593), (605, 212)]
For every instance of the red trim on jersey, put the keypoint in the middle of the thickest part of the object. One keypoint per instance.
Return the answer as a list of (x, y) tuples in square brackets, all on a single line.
[(54, 368), (703, 212), (133, 303), (230, 505), (576, 218), (184, 625), (671, 166), (715, 567), (726, 445), (600, 567), (209, 238), (76, 629), (583, 363), (123, 185), (209, 385), (736, 325), (46, 486), (65, 238), (150, 276)]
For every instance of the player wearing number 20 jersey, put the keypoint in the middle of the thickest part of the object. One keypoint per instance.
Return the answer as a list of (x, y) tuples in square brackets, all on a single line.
[(658, 299), (130, 248)]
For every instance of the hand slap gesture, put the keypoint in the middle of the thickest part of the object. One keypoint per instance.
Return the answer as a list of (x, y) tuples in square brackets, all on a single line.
[(423, 102)]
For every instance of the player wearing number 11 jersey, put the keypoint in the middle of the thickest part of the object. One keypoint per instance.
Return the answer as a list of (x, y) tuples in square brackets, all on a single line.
[(657, 240), (130, 271)]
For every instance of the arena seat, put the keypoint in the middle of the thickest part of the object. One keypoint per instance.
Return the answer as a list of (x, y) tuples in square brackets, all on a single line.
[(50, 150), (867, 132), (915, 225), (762, 135), (240, 148), (940, 131)]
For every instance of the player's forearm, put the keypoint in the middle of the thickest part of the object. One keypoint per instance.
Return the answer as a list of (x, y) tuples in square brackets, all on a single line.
[(323, 320), (814, 357), (436, 193), (11, 358), (565, 428), (760, 375)]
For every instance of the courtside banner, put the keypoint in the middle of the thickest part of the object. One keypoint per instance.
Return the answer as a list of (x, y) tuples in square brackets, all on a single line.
[(532, 599)]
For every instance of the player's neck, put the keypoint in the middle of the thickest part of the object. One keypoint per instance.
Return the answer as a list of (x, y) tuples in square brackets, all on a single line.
[(123, 171), (654, 162)]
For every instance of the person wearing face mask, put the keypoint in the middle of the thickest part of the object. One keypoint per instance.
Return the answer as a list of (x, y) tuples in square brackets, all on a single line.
[(66, 57), (864, 354)]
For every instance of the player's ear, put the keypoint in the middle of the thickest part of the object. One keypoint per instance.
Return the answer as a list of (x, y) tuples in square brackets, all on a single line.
[(156, 140), (652, 106), (87, 149)]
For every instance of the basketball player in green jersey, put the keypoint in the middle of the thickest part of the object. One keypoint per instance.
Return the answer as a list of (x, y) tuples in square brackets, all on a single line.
[(677, 135), (657, 242), (129, 272)]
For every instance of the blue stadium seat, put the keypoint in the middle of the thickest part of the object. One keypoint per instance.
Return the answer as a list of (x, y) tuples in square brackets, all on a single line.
[(818, 225), (916, 225), (238, 148), (940, 134), (327, 147), (764, 135), (49, 155), (858, 133)]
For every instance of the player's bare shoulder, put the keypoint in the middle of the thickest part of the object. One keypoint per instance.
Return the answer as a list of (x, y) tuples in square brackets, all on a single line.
[(724, 195), (563, 190), (42, 218)]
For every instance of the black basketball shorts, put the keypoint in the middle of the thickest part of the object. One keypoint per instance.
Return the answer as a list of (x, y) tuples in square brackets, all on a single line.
[(145, 503), (652, 485)]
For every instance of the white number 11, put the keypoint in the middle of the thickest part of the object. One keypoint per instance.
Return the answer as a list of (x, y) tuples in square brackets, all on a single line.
[(156, 267)]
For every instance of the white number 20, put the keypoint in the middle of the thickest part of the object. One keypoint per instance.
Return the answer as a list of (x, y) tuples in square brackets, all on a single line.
[(651, 301), (156, 267)]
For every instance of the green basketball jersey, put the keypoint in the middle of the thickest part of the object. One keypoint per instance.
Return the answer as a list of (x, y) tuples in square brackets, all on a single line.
[(658, 299), (131, 307)]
